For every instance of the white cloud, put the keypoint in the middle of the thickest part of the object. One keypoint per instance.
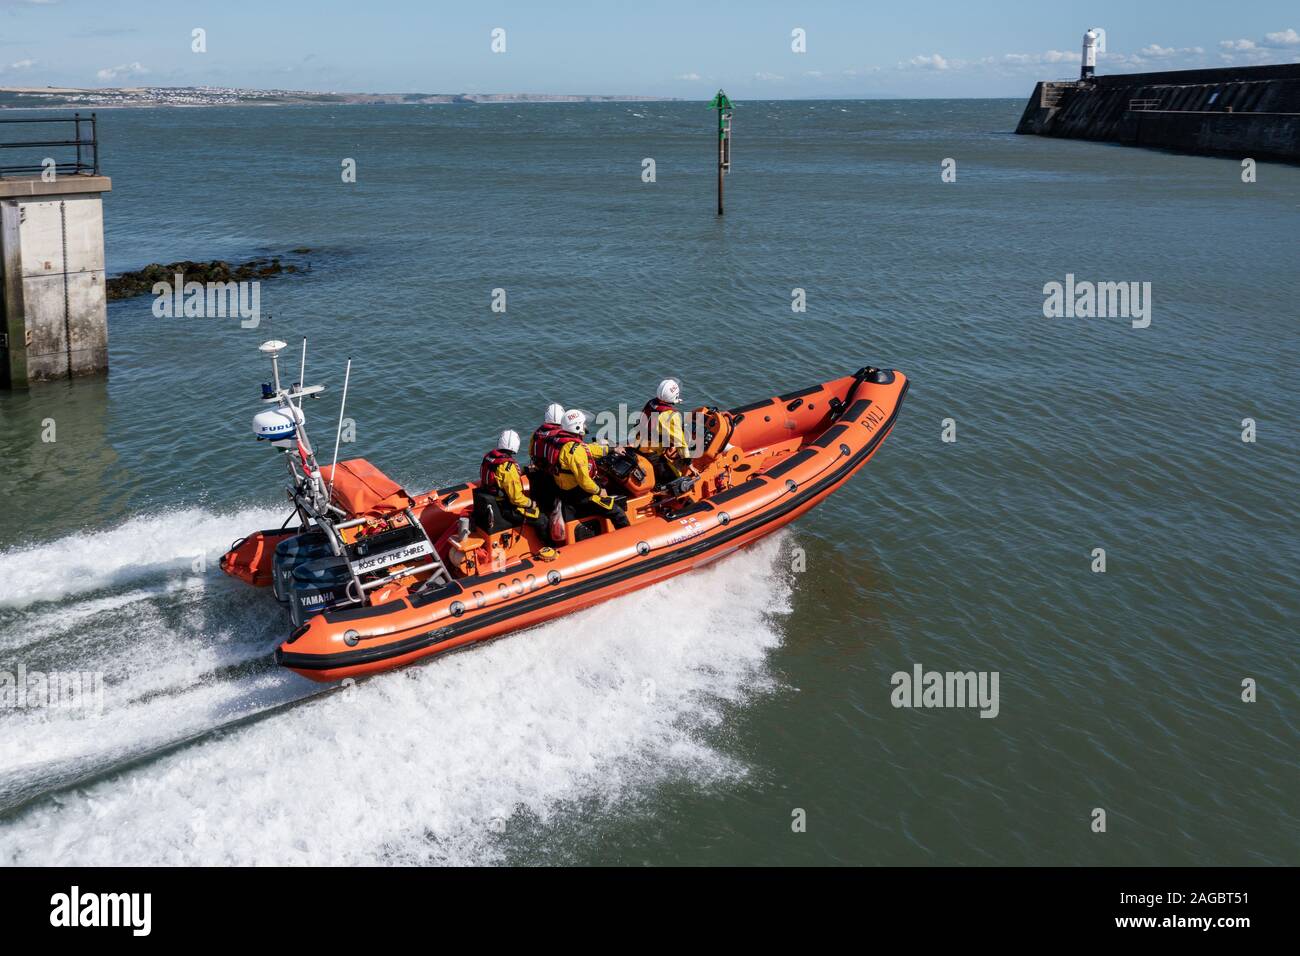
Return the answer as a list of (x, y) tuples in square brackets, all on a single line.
[(1132, 61), (1072, 58), (1035, 59), (932, 62), (690, 76), (1261, 50), (1156, 51), (22, 64), (126, 69), (768, 76)]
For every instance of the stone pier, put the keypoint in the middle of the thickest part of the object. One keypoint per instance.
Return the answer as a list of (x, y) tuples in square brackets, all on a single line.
[(1239, 111), (52, 301)]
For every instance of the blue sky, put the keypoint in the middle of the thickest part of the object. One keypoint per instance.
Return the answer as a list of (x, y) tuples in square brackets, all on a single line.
[(657, 47)]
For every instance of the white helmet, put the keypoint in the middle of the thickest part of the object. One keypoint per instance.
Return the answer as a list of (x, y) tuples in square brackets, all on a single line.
[(575, 421), (554, 413), (509, 440), (669, 391)]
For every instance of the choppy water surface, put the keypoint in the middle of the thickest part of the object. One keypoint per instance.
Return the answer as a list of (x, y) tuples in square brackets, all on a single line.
[(686, 723)]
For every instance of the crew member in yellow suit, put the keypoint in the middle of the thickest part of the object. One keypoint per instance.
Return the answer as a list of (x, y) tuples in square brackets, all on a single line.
[(663, 439), (541, 473), (576, 473), (499, 477)]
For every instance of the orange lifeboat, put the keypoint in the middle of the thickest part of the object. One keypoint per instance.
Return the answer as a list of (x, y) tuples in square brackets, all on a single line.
[(761, 466)]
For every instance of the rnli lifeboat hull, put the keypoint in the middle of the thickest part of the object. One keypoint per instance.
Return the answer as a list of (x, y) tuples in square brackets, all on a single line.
[(840, 425)]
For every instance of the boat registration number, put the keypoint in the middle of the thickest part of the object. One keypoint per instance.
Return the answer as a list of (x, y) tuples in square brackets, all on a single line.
[(374, 562)]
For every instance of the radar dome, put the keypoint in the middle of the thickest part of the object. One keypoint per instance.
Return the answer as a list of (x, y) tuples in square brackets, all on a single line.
[(277, 424)]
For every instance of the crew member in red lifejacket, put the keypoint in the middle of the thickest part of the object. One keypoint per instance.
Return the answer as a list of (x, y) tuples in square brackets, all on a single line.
[(500, 481), (663, 439), (574, 462), (541, 476)]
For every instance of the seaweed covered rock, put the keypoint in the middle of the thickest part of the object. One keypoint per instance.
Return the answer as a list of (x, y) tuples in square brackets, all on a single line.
[(142, 281)]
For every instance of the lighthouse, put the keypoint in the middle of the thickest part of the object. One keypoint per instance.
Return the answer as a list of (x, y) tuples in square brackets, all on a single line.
[(1093, 41)]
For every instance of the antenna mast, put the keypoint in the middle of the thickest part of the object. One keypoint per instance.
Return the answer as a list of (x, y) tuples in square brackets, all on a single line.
[(338, 432), (302, 372)]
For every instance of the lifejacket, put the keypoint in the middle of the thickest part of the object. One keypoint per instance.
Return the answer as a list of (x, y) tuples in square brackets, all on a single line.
[(552, 444), (553, 447), (651, 439), (537, 444), (487, 472)]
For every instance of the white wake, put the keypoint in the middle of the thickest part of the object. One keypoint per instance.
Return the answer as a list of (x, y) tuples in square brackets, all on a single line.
[(138, 549), (428, 764)]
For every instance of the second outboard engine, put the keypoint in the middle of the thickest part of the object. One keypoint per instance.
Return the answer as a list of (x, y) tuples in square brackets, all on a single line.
[(292, 552)]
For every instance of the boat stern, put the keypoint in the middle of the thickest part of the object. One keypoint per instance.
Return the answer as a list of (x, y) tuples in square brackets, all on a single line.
[(251, 559)]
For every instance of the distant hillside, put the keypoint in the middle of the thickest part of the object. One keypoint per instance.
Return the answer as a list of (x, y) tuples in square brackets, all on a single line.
[(20, 97)]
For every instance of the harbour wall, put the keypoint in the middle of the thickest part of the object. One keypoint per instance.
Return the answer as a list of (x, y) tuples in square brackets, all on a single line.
[(52, 298), (1251, 111)]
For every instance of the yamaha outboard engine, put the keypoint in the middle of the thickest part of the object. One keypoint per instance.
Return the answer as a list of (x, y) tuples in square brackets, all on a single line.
[(318, 585), (292, 552)]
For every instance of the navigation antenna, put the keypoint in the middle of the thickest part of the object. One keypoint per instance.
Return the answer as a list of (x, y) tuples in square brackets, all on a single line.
[(285, 425), (338, 432)]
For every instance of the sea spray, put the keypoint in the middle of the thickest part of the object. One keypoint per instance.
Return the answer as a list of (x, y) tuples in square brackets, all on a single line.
[(175, 652), (138, 548), (424, 764)]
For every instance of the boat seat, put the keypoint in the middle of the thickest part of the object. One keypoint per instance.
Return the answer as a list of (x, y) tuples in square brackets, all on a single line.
[(486, 513), (597, 524), (487, 516)]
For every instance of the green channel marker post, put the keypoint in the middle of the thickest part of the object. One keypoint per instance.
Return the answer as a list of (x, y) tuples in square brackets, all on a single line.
[(723, 106)]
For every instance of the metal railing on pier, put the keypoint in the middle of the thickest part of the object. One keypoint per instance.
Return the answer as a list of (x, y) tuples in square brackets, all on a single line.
[(79, 155)]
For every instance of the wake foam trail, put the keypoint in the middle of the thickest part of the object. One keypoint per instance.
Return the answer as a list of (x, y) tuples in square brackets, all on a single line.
[(135, 550), (174, 652), (429, 763)]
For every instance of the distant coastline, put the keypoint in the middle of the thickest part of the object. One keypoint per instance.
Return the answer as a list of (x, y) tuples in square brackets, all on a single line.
[(68, 97)]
